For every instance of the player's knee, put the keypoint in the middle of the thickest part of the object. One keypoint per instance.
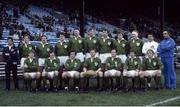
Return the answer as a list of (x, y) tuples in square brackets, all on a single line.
[(50, 76), (26, 76), (136, 74), (38, 74), (118, 73), (158, 73), (48, 83), (100, 74), (141, 74), (56, 73), (77, 75), (64, 75), (82, 75), (44, 74), (106, 74), (124, 73)]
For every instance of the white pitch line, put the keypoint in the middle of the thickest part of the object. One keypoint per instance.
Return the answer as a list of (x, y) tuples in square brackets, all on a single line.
[(165, 101)]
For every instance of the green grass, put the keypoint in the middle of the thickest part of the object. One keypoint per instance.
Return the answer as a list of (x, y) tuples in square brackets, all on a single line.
[(23, 98)]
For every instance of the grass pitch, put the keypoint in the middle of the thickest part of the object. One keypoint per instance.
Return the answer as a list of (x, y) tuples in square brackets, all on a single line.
[(24, 98)]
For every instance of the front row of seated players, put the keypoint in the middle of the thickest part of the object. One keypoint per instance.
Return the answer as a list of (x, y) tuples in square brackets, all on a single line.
[(151, 66)]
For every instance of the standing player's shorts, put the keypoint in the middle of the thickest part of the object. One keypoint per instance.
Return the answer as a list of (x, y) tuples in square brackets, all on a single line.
[(80, 56), (62, 59), (131, 73), (104, 56), (41, 61), (22, 62), (88, 55), (122, 57)]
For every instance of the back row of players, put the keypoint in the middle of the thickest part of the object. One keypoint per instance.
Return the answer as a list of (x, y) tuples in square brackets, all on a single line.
[(101, 57)]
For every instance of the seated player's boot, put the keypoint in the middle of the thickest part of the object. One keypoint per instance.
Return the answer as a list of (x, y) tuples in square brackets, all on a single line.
[(55, 88), (36, 90), (99, 89), (83, 82), (143, 87), (76, 85), (135, 89), (112, 84), (77, 89), (30, 85), (117, 86), (126, 90), (87, 85), (66, 88), (36, 87), (157, 82), (26, 85), (99, 84), (47, 86), (47, 90), (149, 85), (125, 84), (106, 85)]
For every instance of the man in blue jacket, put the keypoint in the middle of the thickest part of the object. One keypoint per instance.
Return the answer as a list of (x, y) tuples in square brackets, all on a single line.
[(166, 52), (10, 55)]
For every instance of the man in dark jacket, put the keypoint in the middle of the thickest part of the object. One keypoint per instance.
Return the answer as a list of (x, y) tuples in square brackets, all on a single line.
[(10, 55)]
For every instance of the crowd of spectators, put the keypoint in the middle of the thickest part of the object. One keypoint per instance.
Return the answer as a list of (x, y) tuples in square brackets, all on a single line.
[(72, 18)]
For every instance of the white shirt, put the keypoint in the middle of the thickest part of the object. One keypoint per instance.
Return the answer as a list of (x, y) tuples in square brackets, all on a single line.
[(43, 45), (150, 45), (9, 47)]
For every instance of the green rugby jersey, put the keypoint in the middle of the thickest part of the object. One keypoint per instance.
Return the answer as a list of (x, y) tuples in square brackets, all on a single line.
[(72, 65), (24, 49), (92, 63), (137, 45), (114, 63), (105, 45), (132, 63), (52, 64), (31, 65), (77, 44), (62, 48), (43, 50), (152, 64), (120, 46), (91, 43)]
